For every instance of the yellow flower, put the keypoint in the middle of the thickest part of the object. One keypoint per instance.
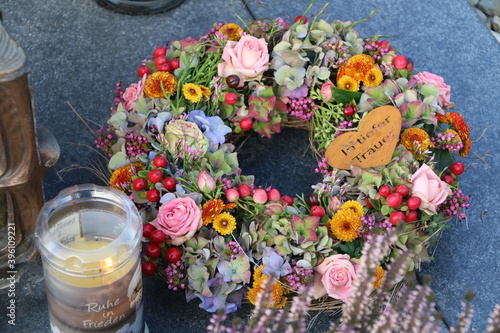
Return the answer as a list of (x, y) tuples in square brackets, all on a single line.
[(224, 223), (373, 78), (212, 208), (356, 67), (276, 297), (348, 83), (205, 91), (232, 31), (355, 206), (379, 274), (344, 225), (155, 82), (192, 92), (414, 134), (121, 177)]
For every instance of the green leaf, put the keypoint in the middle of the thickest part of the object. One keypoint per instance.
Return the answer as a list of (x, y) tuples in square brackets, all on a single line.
[(443, 157), (345, 96), (118, 160)]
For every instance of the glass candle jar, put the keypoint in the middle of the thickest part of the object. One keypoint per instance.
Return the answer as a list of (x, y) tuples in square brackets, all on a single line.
[(89, 240)]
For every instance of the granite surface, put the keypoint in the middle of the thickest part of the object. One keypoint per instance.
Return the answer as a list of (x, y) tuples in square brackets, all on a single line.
[(77, 52)]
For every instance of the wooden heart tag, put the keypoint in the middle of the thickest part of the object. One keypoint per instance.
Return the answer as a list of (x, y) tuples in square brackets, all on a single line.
[(372, 145)]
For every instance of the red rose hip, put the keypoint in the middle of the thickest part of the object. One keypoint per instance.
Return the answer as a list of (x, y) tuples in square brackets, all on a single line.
[(147, 229), (397, 217), (231, 98), (411, 216), (394, 200), (160, 161), (174, 64), (157, 236), (148, 268), (402, 189), (414, 203), (143, 70), (244, 190), (384, 190), (400, 62), (458, 168), (170, 183), (317, 211), (153, 250), (246, 123), (155, 176), (153, 195), (139, 184), (173, 255), (448, 179), (159, 52)]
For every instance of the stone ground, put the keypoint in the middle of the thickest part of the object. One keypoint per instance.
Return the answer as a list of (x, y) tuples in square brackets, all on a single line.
[(78, 51), (489, 12)]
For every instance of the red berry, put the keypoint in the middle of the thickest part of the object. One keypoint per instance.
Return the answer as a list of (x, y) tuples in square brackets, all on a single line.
[(139, 184), (400, 61), (397, 217), (273, 195), (160, 161), (411, 216), (143, 70), (458, 168), (394, 200), (173, 254), (350, 111), (289, 200), (174, 64), (163, 67), (153, 250), (231, 98), (246, 123), (448, 179), (414, 203), (402, 189), (147, 229), (409, 65), (159, 52), (232, 81), (157, 236), (303, 19), (244, 190), (155, 176), (384, 190), (153, 195), (170, 183), (317, 211), (148, 268), (369, 203), (160, 60)]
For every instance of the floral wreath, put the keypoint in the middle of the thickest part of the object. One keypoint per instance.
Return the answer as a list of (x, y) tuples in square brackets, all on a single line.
[(209, 229)]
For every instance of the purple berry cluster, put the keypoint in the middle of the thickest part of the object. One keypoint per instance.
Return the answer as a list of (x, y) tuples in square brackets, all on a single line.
[(368, 223), (344, 125), (454, 204), (105, 140), (300, 277), (233, 249), (448, 140), (302, 107), (175, 275), (137, 145)]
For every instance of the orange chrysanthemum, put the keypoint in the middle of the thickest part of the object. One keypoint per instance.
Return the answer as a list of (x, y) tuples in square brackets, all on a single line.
[(232, 31), (458, 123), (414, 134), (379, 274), (344, 225), (212, 208), (373, 78), (355, 206), (155, 82), (357, 67), (441, 118), (348, 83), (276, 297), (121, 177)]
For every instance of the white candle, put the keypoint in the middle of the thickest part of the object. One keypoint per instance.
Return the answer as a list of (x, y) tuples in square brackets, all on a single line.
[(92, 265)]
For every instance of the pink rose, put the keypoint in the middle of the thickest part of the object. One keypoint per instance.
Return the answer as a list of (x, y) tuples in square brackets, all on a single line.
[(133, 93), (326, 90), (248, 58), (179, 219), (438, 81), (334, 276), (429, 188)]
